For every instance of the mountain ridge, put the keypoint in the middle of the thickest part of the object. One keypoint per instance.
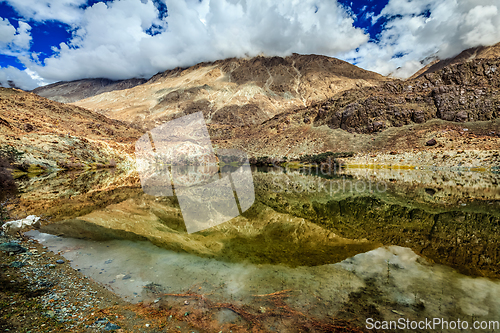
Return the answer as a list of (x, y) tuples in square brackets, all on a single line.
[(37, 134), (479, 52), (236, 90), (396, 115), (72, 91)]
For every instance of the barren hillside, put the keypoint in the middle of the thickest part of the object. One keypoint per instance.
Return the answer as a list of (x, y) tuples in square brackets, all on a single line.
[(67, 92), (233, 91), (459, 103), (37, 133), (480, 52)]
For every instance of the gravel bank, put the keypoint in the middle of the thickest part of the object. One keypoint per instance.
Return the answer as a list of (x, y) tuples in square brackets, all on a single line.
[(41, 292)]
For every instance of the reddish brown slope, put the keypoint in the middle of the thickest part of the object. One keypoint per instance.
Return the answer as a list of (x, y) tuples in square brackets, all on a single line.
[(37, 131)]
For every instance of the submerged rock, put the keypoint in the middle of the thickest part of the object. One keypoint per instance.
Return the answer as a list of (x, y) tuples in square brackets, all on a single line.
[(12, 247), (111, 327)]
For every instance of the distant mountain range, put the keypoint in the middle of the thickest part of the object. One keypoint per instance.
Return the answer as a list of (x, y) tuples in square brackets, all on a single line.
[(68, 92), (234, 92), (73, 91), (267, 106)]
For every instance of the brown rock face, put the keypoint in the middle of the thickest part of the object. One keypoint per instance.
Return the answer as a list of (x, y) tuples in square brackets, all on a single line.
[(68, 92), (372, 118), (7, 183), (459, 93), (480, 52), (39, 133), (238, 92)]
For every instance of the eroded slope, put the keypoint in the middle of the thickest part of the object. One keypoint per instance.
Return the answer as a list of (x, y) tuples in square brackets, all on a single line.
[(234, 92), (42, 134)]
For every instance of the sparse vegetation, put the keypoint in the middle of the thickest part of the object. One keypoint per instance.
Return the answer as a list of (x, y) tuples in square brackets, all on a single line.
[(265, 161), (10, 154), (324, 157)]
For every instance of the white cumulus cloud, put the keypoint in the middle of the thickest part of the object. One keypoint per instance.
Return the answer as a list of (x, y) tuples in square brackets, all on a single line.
[(115, 40), (23, 79), (14, 40), (111, 39), (419, 28), (66, 11)]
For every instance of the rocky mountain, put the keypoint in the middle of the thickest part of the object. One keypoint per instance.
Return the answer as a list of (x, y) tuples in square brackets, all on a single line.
[(461, 92), (480, 52), (289, 107), (68, 92), (235, 92), (38, 134), (394, 115)]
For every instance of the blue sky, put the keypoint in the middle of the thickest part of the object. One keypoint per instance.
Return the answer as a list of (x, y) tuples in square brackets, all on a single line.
[(43, 41)]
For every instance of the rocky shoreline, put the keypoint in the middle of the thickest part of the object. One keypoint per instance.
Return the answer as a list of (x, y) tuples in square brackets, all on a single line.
[(41, 292)]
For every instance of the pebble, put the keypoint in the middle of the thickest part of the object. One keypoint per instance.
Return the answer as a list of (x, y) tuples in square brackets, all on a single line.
[(17, 264), (111, 327), (58, 298)]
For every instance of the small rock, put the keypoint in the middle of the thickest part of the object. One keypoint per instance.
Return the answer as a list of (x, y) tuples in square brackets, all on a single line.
[(101, 321), (60, 261), (111, 327), (50, 314), (431, 142), (186, 303), (17, 264), (28, 127), (12, 247), (430, 191), (397, 312)]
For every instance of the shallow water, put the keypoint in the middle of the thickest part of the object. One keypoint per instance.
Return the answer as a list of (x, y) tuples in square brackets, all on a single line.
[(424, 245)]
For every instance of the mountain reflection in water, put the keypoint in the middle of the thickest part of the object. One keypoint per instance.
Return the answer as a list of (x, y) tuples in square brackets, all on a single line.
[(406, 247)]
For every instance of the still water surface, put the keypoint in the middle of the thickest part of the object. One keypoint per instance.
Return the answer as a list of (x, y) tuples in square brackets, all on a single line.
[(384, 244)]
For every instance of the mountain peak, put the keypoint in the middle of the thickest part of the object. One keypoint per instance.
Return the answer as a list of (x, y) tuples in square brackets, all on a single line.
[(480, 52), (236, 91), (72, 91)]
